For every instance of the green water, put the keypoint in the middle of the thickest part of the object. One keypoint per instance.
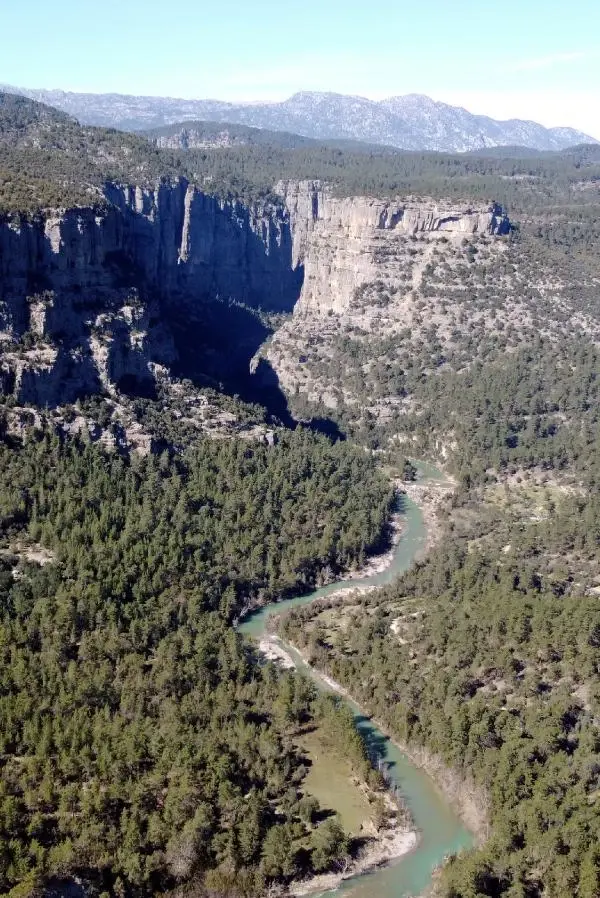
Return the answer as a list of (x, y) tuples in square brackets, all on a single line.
[(441, 832)]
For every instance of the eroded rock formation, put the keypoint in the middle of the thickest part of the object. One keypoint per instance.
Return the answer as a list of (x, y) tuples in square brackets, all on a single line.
[(342, 242), (88, 295)]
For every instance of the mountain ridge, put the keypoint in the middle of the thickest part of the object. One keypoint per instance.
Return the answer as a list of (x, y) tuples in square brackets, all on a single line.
[(410, 122)]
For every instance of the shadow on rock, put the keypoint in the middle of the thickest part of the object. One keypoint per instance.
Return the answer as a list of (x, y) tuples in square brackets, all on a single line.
[(218, 345)]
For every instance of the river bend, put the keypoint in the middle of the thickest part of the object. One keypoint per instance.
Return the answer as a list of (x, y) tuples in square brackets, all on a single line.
[(440, 830)]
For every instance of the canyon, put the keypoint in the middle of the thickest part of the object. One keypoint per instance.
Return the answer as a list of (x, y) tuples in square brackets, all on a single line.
[(97, 299), (149, 299)]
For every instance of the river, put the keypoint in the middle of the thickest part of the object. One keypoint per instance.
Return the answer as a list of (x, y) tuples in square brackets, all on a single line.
[(440, 830)]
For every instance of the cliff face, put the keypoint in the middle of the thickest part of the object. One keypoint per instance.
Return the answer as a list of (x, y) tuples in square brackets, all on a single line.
[(189, 244), (173, 240), (87, 296), (345, 243), (94, 289), (383, 282)]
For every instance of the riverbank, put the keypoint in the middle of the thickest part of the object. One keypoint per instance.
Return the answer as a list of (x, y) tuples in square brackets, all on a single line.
[(389, 847), (377, 564), (271, 648), (408, 867), (372, 567), (431, 497), (384, 847), (465, 797), (462, 794)]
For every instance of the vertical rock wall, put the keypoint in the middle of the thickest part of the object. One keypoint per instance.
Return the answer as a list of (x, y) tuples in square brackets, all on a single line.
[(96, 291)]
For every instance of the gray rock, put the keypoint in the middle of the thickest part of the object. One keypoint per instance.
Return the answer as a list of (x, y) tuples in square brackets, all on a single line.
[(97, 289)]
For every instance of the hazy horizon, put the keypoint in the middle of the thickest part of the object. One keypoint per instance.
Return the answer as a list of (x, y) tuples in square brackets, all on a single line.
[(257, 102), (533, 61)]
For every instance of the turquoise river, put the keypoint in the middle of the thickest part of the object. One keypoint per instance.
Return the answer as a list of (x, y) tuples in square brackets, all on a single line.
[(440, 831)]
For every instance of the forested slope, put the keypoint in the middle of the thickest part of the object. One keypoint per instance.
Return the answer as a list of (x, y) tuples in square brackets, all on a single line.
[(496, 672), (141, 743), (48, 159), (488, 653)]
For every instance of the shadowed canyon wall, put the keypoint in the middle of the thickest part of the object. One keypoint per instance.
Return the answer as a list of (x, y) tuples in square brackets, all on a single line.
[(93, 298)]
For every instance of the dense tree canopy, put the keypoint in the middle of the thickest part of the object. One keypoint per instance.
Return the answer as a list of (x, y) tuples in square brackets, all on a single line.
[(497, 670), (139, 740)]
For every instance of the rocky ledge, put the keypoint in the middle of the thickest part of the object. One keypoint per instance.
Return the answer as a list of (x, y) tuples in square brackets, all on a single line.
[(88, 296)]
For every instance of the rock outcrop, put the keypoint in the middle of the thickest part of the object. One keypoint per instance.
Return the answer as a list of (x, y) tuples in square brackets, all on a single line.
[(88, 295), (173, 240), (94, 288), (342, 241)]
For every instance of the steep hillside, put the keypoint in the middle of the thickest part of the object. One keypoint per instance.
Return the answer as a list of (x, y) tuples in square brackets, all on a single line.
[(193, 135), (396, 299), (158, 265), (90, 296), (208, 135)]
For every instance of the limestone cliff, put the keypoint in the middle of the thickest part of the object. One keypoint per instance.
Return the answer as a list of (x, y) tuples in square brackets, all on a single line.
[(173, 239), (95, 288), (88, 295), (342, 242)]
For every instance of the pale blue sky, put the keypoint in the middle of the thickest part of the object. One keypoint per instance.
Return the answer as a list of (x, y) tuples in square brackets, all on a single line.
[(522, 58)]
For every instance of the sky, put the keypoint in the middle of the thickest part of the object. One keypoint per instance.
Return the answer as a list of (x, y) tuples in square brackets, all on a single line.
[(504, 58)]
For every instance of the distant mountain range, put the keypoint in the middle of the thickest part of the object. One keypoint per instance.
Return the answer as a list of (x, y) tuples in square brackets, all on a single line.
[(412, 122)]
